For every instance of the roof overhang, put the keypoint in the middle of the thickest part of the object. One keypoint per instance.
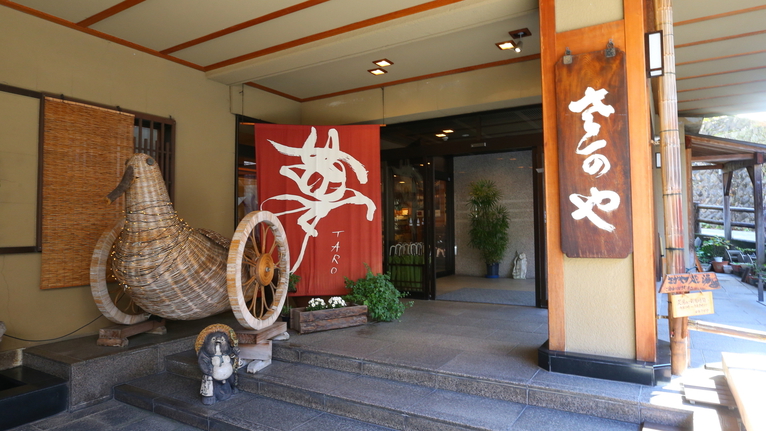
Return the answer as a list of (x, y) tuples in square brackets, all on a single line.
[(723, 153)]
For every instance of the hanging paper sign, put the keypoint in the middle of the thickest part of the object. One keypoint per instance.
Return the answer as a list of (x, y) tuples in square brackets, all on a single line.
[(682, 283), (594, 157), (323, 183), (691, 304)]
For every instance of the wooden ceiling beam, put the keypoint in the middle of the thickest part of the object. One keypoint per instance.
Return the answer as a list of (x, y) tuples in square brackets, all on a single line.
[(723, 158), (719, 15), (104, 14), (720, 39), (723, 85), (707, 167)]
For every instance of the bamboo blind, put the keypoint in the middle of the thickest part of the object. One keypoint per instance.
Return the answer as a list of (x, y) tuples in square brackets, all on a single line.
[(84, 153)]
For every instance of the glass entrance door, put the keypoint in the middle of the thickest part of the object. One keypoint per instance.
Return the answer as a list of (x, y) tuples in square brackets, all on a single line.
[(444, 250), (419, 228)]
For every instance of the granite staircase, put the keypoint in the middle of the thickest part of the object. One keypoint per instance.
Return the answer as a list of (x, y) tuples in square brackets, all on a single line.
[(309, 389)]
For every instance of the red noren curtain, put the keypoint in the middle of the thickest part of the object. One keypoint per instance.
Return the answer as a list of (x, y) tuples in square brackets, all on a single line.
[(323, 182)]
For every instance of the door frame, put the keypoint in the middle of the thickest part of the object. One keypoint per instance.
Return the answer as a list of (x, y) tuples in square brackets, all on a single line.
[(533, 142)]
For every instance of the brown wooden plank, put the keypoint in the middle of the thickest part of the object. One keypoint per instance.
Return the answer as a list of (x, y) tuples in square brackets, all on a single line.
[(261, 335), (123, 331), (337, 323), (681, 283), (594, 183), (333, 313), (642, 199), (555, 259)]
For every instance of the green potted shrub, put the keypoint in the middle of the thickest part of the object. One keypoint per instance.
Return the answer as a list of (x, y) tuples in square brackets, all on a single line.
[(489, 223), (379, 295)]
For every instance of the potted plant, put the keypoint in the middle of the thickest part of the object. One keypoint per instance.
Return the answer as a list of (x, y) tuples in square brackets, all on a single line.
[(379, 295), (285, 313), (714, 249), (489, 223), (292, 282), (321, 315)]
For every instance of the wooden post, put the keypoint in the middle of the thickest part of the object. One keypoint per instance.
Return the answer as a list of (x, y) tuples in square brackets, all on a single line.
[(756, 176), (671, 181), (727, 175)]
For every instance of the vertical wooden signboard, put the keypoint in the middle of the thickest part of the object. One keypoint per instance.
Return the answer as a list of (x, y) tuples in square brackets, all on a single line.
[(594, 158)]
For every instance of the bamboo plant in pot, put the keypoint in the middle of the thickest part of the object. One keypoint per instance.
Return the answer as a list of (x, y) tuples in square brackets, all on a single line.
[(489, 223)]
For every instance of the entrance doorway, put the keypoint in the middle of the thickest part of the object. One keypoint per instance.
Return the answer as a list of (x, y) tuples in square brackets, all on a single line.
[(419, 225), (425, 218)]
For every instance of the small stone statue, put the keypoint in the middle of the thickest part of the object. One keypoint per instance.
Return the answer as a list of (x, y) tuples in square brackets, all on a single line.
[(218, 358), (520, 266)]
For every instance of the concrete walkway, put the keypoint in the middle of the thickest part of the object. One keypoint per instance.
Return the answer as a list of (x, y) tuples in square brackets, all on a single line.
[(494, 342)]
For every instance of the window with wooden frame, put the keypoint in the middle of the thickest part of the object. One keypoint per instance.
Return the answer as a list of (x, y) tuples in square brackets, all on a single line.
[(155, 136)]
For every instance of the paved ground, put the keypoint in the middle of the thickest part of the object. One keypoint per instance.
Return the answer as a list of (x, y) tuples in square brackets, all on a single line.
[(478, 338)]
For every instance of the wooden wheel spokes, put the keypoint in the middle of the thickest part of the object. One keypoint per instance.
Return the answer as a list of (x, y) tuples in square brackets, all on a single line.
[(257, 270), (113, 303)]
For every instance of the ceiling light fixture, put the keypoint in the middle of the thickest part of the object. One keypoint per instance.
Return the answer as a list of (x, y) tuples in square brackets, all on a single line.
[(516, 42), (383, 62), (440, 135), (447, 131), (377, 71)]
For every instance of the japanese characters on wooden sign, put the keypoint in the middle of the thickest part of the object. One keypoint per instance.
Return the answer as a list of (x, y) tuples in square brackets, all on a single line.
[(594, 158), (692, 304), (683, 283)]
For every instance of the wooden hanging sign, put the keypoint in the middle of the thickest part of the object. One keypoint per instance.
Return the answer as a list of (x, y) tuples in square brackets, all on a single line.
[(594, 155), (682, 283), (691, 304)]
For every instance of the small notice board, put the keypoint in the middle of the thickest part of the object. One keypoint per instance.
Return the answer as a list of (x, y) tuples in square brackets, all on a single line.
[(682, 302)]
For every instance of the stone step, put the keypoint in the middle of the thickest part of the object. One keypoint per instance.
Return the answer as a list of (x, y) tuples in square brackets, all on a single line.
[(498, 378), (393, 403), (177, 398)]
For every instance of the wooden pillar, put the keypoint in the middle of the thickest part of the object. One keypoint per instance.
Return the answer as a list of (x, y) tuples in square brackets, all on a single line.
[(756, 176), (627, 35), (727, 175), (671, 181)]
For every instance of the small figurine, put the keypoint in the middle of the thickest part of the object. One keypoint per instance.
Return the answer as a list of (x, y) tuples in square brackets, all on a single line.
[(218, 357)]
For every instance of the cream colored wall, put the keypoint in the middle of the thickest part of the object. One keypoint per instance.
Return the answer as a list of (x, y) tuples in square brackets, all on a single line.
[(599, 316), (515, 84), (598, 293), (42, 56), (574, 14), (255, 103)]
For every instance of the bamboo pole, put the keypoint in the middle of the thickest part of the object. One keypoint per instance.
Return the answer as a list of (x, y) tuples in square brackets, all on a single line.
[(671, 181), (732, 331)]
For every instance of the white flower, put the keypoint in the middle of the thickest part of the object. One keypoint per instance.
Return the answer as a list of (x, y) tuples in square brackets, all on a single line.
[(336, 302), (316, 304)]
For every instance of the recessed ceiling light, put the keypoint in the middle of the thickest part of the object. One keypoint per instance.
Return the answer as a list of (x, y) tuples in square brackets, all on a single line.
[(508, 44), (377, 71), (383, 62), (447, 131), (440, 135)]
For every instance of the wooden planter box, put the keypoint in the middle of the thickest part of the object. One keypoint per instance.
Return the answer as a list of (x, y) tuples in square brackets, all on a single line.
[(322, 320)]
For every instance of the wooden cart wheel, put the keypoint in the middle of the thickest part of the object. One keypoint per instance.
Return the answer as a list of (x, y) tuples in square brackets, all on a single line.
[(257, 270), (110, 298)]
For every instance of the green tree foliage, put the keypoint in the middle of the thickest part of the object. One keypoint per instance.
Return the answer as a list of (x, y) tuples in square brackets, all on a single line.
[(489, 221)]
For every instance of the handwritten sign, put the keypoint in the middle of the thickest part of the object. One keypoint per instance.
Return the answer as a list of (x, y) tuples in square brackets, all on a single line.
[(682, 283), (594, 156), (691, 304)]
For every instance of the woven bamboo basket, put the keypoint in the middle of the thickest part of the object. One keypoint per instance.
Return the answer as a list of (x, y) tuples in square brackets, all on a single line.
[(174, 271)]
